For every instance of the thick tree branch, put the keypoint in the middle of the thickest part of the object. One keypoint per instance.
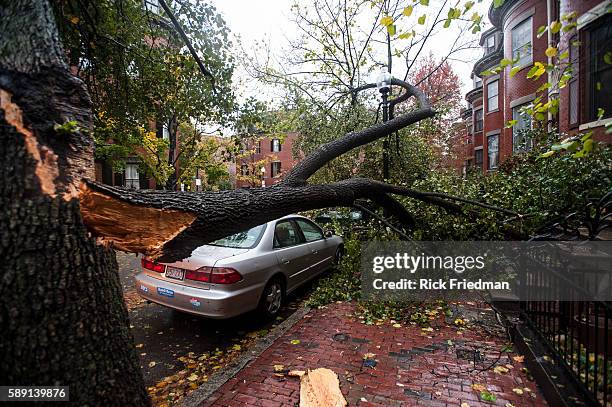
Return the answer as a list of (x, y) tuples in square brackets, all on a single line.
[(327, 152)]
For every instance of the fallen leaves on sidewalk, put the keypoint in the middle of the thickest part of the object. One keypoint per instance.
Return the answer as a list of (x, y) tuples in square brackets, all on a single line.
[(197, 368), (133, 300)]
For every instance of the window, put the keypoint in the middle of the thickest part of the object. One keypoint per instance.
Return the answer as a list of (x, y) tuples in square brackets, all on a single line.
[(574, 94), (520, 141), (258, 147), (242, 240), (285, 234), (478, 121), (165, 132), (275, 167), (478, 158), (493, 151), (521, 43), (477, 82), (132, 180), (310, 231), (492, 96), (490, 44), (600, 82), (275, 145), (244, 169)]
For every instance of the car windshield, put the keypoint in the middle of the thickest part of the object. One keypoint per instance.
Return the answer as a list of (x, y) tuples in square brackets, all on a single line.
[(241, 240)]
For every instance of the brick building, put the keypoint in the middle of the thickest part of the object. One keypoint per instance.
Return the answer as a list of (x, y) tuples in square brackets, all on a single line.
[(273, 155), (495, 100)]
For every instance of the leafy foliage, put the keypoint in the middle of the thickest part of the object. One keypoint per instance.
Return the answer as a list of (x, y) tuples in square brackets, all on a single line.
[(141, 76)]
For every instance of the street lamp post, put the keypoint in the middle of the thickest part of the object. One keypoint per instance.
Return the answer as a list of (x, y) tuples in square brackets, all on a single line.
[(263, 177), (383, 83)]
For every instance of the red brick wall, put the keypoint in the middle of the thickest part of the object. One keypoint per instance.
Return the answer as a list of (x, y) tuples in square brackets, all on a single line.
[(285, 156), (519, 86)]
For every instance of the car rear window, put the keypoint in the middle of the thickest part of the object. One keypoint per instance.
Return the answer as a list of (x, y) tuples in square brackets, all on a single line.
[(242, 240)]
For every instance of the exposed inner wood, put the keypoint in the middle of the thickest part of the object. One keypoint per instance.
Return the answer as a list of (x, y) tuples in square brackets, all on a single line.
[(128, 227), (46, 170), (321, 388)]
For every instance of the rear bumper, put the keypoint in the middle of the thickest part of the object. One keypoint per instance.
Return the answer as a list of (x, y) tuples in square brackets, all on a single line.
[(209, 303)]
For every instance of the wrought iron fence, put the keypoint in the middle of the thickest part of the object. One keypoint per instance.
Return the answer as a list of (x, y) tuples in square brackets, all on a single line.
[(578, 334)]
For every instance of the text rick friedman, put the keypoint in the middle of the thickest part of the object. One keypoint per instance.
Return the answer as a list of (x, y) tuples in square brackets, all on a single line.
[(430, 284)]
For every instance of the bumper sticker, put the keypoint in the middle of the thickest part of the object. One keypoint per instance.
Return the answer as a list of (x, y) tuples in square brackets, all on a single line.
[(144, 288), (195, 302), (166, 292)]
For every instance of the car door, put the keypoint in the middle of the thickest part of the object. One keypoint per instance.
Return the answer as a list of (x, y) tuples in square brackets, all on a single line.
[(321, 250), (291, 252)]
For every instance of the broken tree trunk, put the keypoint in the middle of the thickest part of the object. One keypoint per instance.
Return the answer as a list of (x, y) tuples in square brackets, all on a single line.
[(321, 388), (62, 315)]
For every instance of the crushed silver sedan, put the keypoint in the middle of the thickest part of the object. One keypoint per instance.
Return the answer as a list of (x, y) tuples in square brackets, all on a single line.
[(250, 270)]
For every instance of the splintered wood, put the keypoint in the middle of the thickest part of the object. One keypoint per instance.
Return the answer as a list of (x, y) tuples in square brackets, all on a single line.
[(320, 388)]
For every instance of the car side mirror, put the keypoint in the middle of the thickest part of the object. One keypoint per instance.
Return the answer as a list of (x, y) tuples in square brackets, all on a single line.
[(328, 233)]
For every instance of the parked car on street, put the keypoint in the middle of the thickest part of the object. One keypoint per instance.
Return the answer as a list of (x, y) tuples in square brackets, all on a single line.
[(254, 269)]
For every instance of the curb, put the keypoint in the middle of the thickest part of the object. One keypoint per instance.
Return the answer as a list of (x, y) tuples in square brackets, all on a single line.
[(202, 393)]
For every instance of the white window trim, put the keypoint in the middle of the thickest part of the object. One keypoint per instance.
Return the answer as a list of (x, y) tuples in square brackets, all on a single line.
[(593, 14), (489, 110), (594, 124), (526, 63)]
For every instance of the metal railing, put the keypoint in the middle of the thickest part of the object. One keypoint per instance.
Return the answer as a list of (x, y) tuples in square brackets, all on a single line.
[(578, 334)]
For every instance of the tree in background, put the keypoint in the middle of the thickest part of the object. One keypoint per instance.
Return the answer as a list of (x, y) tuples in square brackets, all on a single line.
[(344, 44), (438, 80), (143, 79)]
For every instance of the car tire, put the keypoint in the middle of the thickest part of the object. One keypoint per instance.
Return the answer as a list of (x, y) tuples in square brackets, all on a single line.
[(272, 299), (338, 255)]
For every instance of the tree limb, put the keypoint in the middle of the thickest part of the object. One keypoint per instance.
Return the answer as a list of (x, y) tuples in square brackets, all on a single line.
[(193, 52)]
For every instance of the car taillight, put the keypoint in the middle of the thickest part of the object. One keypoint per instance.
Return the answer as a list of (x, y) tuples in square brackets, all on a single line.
[(201, 274), (151, 265), (224, 275)]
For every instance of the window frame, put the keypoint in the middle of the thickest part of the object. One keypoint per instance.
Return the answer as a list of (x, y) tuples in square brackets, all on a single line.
[(479, 163), (496, 96), (317, 227), (481, 121), (523, 63), (131, 180), (490, 137), (591, 110), (297, 230), (273, 143), (517, 110), (280, 170)]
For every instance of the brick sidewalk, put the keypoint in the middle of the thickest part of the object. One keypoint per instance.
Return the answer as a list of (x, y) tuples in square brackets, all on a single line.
[(412, 366)]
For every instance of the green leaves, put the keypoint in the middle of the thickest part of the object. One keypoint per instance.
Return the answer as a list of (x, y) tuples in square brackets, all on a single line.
[(536, 71), (407, 11), (421, 19), (424, 2), (555, 27), (487, 396)]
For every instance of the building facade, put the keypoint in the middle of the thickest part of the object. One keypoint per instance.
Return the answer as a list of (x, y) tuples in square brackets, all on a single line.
[(497, 99), (264, 161)]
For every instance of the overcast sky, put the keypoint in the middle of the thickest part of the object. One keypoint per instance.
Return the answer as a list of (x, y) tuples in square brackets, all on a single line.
[(254, 20)]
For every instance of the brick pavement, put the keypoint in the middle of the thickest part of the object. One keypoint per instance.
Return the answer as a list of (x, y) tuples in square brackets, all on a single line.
[(413, 366)]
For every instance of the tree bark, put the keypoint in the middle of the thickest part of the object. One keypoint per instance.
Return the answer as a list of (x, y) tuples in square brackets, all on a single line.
[(63, 318)]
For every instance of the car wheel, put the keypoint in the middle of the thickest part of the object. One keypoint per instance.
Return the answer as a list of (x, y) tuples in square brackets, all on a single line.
[(338, 255), (272, 298)]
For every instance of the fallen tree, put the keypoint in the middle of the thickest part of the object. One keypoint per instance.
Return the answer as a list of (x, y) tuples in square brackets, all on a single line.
[(61, 310)]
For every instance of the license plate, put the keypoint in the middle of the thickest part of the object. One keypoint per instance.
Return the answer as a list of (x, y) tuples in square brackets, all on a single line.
[(175, 273)]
